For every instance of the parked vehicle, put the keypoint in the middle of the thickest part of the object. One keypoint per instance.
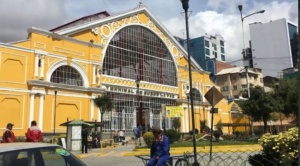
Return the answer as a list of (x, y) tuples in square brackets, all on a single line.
[(40, 154)]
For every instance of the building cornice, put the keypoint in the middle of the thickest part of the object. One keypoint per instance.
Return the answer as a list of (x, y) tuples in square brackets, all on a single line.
[(58, 36), (47, 84)]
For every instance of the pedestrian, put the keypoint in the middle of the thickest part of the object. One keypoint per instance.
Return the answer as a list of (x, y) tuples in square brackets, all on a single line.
[(8, 135), (116, 136), (84, 139), (34, 133), (160, 149), (121, 135), (136, 133)]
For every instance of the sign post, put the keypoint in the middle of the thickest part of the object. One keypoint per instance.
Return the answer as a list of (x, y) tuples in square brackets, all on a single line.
[(213, 96)]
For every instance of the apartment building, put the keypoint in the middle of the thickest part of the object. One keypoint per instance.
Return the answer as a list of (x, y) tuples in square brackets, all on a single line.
[(233, 81)]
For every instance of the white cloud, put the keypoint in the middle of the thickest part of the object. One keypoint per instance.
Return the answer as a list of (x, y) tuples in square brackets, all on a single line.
[(216, 16), (17, 16), (228, 24)]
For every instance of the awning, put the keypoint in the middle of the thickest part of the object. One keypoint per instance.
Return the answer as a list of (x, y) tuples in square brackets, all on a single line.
[(77, 123)]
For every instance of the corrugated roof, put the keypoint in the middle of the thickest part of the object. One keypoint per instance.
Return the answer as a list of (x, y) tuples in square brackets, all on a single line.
[(234, 70)]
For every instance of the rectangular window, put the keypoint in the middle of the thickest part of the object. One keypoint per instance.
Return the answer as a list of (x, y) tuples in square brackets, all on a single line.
[(233, 77), (243, 76), (222, 50), (216, 54), (223, 57), (244, 86), (234, 87), (207, 57), (207, 51), (221, 43), (206, 43)]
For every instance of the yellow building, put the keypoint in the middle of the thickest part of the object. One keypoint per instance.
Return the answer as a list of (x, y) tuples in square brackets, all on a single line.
[(90, 57)]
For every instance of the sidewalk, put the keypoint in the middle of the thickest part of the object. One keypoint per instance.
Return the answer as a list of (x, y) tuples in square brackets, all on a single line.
[(130, 150)]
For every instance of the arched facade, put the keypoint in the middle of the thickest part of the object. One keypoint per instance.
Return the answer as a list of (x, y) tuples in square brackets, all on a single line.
[(137, 53), (130, 56), (70, 70)]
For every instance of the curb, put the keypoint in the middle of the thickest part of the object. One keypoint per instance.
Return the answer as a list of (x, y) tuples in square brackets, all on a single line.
[(178, 151)]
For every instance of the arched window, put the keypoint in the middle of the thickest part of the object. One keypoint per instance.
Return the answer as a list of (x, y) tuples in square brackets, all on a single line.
[(137, 53), (66, 75), (196, 94)]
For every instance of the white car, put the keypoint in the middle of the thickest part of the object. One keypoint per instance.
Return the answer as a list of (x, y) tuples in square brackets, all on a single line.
[(36, 154)]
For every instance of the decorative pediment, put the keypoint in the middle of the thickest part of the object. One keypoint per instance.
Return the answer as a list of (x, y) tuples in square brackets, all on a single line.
[(106, 28)]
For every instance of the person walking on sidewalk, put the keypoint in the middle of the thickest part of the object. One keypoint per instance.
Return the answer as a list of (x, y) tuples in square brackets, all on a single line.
[(34, 133), (160, 149), (8, 134), (84, 139)]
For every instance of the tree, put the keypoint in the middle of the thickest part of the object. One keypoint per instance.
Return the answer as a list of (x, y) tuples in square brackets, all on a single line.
[(260, 105), (176, 123), (286, 90), (104, 103)]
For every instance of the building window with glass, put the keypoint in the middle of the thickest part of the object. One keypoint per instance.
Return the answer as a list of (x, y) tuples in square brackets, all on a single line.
[(206, 43), (234, 87), (221, 43), (222, 50), (137, 53), (66, 75), (223, 57), (244, 86), (207, 51)]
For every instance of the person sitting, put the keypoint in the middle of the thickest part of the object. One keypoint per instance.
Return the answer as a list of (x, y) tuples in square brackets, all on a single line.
[(160, 149)]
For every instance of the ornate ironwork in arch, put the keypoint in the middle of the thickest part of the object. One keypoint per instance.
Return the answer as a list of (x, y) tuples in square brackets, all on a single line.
[(137, 53), (66, 75)]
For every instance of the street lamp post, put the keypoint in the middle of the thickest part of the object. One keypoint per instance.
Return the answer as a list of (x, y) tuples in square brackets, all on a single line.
[(55, 94), (240, 7), (140, 109), (185, 6)]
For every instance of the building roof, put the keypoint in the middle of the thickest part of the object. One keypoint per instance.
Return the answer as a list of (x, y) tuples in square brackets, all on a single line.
[(140, 9), (234, 70), (82, 20)]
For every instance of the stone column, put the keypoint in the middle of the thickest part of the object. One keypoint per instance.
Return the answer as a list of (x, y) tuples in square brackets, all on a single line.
[(99, 119), (134, 117), (160, 120), (151, 118), (41, 111), (31, 108), (123, 119)]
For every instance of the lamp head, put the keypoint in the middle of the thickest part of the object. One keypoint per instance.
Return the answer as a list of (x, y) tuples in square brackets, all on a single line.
[(137, 82), (240, 7), (185, 4), (261, 11)]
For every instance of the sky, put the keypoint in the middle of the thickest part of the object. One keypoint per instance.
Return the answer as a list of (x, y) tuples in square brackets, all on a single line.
[(207, 16)]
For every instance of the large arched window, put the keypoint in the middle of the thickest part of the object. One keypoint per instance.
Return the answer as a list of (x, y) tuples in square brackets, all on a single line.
[(196, 94), (66, 75), (137, 53)]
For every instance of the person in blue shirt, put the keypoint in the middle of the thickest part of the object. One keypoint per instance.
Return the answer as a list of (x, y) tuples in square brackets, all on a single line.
[(160, 149)]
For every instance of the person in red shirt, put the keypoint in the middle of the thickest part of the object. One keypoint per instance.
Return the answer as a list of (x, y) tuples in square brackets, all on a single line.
[(34, 133), (8, 135)]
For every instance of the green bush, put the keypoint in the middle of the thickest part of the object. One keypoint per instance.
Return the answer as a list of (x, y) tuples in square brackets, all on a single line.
[(173, 135), (217, 134), (282, 148), (148, 138)]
